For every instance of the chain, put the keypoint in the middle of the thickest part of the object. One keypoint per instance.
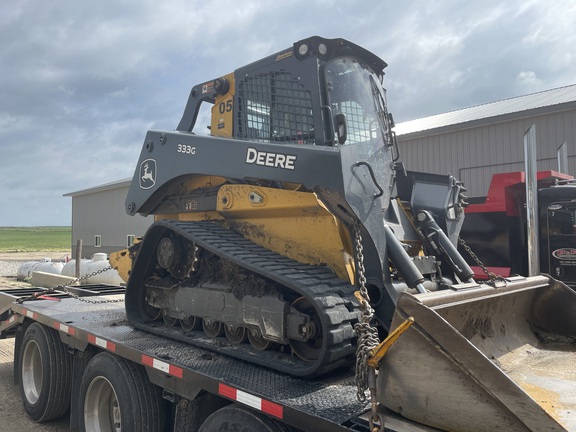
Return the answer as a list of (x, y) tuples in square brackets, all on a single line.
[(493, 278), (64, 288), (367, 335)]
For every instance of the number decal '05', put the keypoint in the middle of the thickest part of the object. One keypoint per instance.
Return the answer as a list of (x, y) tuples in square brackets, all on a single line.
[(225, 106)]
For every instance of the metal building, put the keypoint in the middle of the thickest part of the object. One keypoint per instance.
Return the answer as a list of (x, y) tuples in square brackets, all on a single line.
[(99, 219), (474, 143)]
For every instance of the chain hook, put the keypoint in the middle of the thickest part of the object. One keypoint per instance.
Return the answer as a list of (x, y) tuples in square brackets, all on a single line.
[(376, 423), (493, 278), (367, 335), (65, 289)]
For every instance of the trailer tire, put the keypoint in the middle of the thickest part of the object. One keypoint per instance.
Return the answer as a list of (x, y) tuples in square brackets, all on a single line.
[(116, 394), (45, 374), (236, 418)]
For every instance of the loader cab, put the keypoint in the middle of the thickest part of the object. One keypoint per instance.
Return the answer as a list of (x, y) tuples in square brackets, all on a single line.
[(325, 92), (357, 103)]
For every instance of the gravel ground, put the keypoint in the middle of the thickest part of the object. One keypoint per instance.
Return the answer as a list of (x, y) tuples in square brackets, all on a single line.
[(9, 268), (11, 262)]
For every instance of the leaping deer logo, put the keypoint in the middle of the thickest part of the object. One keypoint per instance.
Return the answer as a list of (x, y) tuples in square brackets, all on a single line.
[(147, 174)]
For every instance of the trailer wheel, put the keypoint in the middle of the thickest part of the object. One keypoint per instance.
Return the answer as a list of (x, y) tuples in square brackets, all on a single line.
[(45, 374), (236, 418), (116, 395)]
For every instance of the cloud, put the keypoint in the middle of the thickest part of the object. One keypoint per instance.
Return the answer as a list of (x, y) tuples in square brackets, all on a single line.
[(82, 82)]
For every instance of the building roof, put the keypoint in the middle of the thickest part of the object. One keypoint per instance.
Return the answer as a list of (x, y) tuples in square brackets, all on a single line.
[(101, 188), (532, 104)]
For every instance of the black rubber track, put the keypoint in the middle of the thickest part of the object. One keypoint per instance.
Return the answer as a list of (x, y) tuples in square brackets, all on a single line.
[(333, 298)]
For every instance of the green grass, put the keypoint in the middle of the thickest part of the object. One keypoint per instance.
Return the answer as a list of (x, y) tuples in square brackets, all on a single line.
[(33, 239)]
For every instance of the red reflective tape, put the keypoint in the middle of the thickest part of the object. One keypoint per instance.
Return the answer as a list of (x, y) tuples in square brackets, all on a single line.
[(162, 366), (229, 392), (95, 340), (64, 328), (272, 409), (30, 314), (251, 400), (147, 361), (176, 371)]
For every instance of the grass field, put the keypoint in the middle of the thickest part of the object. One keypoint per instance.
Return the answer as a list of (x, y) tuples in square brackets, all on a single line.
[(32, 239)]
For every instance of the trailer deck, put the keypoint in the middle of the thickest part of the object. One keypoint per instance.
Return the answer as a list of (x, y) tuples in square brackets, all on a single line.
[(325, 403)]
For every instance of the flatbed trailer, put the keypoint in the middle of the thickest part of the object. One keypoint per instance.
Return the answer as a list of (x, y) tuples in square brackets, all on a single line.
[(194, 383)]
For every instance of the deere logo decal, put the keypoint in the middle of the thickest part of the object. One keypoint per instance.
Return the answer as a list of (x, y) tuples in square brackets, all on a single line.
[(274, 160), (147, 173)]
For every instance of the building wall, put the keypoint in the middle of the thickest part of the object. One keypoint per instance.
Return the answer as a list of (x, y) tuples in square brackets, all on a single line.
[(102, 213), (474, 154)]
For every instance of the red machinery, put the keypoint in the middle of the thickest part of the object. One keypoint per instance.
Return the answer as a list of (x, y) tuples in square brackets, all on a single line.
[(495, 226)]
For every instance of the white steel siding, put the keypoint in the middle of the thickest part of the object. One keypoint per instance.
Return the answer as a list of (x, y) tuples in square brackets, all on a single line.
[(475, 154), (102, 213)]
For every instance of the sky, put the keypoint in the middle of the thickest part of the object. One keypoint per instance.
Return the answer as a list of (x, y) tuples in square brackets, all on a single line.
[(81, 82)]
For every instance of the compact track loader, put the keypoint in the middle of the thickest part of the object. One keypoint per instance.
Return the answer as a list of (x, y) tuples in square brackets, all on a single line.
[(266, 228)]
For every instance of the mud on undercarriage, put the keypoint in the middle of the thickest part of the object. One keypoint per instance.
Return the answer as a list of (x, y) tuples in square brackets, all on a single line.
[(209, 286)]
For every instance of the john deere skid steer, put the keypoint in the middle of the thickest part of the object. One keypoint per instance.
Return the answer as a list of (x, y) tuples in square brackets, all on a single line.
[(295, 201)]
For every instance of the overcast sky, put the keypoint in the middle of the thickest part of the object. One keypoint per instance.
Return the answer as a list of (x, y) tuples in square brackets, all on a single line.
[(81, 82)]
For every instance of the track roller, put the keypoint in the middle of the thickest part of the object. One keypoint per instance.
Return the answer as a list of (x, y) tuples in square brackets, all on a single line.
[(191, 323), (213, 329), (236, 335), (258, 342)]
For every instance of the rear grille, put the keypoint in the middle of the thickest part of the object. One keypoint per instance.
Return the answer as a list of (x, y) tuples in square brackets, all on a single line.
[(274, 107)]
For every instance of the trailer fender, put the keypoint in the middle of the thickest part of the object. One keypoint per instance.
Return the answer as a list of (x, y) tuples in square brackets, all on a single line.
[(190, 414), (236, 418)]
